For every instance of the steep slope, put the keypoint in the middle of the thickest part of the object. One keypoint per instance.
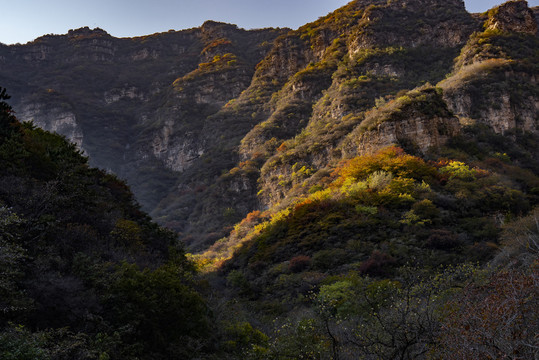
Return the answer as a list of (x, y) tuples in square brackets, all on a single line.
[(136, 106), (362, 250), (495, 76), (337, 181), (496, 68), (211, 123), (341, 118), (80, 263), (315, 85)]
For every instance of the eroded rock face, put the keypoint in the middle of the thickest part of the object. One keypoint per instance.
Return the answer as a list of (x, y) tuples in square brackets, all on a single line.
[(499, 111), (413, 24), (513, 16), (421, 119), (176, 152), (54, 119), (496, 93), (127, 92), (38, 53), (423, 132)]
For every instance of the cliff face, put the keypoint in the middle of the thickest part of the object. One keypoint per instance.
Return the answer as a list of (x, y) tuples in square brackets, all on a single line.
[(420, 118), (53, 118), (378, 49), (135, 106), (495, 79), (498, 105), (512, 16), (210, 123)]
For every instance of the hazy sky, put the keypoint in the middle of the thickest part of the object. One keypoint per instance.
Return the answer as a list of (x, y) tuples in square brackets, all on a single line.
[(24, 20)]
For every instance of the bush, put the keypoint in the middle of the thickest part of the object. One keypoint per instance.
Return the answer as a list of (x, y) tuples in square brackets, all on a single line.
[(160, 309), (20, 344), (299, 263), (330, 258), (497, 320), (442, 239), (378, 264)]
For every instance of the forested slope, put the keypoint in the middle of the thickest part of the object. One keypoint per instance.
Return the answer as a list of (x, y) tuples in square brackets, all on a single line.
[(84, 273)]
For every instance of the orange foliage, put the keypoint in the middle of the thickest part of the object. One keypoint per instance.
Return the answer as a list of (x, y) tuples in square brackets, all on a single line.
[(299, 263), (302, 204), (391, 159), (253, 216), (216, 43), (247, 164), (282, 148)]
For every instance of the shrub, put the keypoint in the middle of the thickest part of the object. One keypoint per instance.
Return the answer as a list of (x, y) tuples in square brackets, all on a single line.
[(243, 339), (426, 209), (329, 259), (20, 344), (443, 240), (459, 170), (378, 264), (497, 320), (299, 263), (158, 306)]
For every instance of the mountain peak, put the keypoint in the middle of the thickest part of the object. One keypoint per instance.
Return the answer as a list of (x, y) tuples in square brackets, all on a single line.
[(211, 25), (512, 16), (86, 32)]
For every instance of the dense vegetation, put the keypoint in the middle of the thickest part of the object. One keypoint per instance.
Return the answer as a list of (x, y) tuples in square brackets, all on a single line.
[(85, 273), (388, 259)]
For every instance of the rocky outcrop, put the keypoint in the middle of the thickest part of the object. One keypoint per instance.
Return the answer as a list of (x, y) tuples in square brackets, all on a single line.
[(53, 118), (293, 108), (500, 108), (512, 16), (413, 24), (496, 84), (176, 152), (421, 132), (126, 92), (420, 120)]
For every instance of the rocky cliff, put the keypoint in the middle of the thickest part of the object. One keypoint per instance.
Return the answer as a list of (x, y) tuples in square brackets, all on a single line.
[(136, 106), (211, 123), (495, 78)]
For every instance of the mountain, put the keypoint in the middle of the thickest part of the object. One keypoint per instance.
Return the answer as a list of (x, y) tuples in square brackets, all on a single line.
[(365, 186), (203, 122), (80, 263), (137, 107)]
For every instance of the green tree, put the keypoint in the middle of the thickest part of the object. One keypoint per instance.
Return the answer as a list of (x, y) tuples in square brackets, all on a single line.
[(159, 310), (17, 343), (386, 319), (12, 256)]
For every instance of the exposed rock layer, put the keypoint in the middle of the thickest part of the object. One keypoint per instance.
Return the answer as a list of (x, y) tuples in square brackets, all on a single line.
[(210, 123)]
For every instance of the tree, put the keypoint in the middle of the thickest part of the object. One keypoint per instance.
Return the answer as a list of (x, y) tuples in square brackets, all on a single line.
[(6, 113), (387, 319), (497, 320), (159, 310), (12, 255)]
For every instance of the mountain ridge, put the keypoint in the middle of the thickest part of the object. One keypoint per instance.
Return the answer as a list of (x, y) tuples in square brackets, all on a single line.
[(215, 111), (366, 186)]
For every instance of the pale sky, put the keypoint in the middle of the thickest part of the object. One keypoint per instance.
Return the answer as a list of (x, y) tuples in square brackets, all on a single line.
[(24, 20)]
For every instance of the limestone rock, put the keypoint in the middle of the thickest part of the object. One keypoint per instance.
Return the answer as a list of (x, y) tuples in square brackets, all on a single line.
[(512, 16)]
